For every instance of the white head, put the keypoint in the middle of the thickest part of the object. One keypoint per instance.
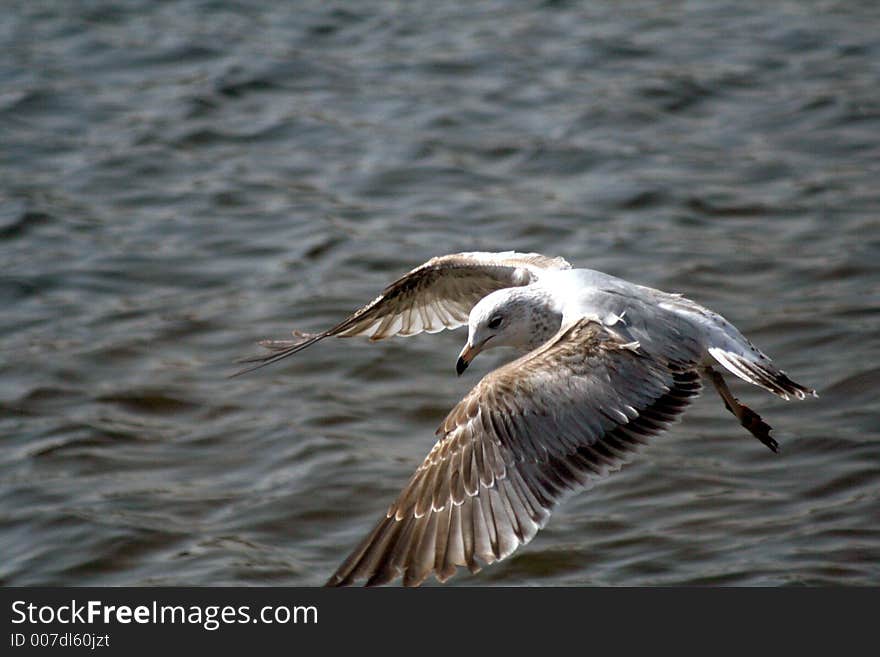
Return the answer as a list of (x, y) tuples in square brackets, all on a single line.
[(519, 317)]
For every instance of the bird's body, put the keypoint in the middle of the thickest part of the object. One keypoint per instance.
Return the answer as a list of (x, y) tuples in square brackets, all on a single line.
[(666, 325), (604, 365)]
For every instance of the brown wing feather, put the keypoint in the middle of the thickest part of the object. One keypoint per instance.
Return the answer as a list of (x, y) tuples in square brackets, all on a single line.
[(550, 422), (434, 296)]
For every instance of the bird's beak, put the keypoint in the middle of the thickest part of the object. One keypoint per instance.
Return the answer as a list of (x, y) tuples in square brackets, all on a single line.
[(467, 355)]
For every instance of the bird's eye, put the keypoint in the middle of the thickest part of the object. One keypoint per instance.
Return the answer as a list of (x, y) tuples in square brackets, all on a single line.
[(495, 322)]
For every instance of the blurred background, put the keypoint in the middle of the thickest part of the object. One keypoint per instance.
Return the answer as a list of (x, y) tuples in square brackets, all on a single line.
[(180, 179)]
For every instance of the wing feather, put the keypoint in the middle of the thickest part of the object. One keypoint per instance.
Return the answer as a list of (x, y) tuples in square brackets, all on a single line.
[(434, 296), (548, 423)]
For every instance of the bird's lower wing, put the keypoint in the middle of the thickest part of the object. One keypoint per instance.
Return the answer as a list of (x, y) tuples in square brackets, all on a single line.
[(550, 422)]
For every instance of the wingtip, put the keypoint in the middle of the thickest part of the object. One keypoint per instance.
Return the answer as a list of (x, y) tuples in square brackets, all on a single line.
[(280, 349), (260, 362), (334, 582), (245, 370)]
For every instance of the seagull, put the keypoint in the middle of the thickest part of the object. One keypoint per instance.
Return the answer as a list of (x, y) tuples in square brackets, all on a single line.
[(603, 365)]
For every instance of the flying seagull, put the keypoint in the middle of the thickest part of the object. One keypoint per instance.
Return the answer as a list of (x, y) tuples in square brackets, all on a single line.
[(605, 364)]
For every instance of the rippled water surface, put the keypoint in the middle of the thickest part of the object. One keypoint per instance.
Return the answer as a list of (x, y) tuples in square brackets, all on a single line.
[(181, 179)]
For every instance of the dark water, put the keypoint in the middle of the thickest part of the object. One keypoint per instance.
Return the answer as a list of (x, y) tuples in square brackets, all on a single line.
[(180, 179)]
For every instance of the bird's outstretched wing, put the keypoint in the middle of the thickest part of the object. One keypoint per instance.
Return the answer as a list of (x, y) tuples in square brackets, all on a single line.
[(434, 296), (573, 410)]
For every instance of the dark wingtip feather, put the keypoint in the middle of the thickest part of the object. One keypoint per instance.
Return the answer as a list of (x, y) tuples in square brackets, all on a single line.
[(279, 352)]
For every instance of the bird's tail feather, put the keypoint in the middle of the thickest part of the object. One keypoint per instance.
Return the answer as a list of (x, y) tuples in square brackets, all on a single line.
[(764, 375)]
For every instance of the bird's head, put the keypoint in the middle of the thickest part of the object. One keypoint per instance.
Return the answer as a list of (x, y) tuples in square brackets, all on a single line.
[(512, 317)]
